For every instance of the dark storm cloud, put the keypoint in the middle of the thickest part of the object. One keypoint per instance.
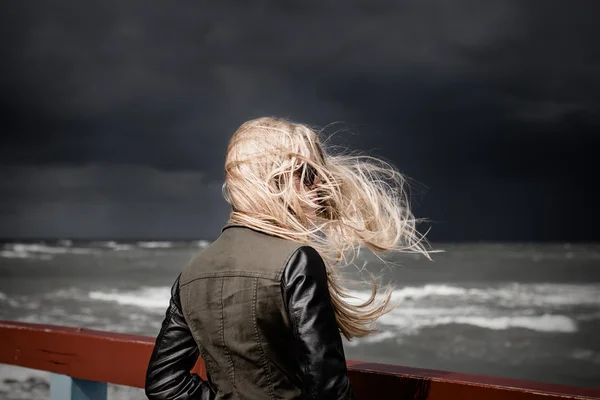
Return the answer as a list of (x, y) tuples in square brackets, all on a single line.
[(111, 202), (495, 101)]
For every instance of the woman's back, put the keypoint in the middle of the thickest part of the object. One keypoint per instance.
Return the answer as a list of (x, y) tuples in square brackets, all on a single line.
[(246, 300), (231, 298)]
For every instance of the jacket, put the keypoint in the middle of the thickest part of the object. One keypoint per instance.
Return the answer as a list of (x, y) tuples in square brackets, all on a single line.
[(257, 309)]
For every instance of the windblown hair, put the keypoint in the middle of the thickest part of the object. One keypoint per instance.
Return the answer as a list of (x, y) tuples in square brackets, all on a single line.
[(280, 180)]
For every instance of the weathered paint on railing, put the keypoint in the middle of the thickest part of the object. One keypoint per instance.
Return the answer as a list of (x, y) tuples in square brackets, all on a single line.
[(89, 355)]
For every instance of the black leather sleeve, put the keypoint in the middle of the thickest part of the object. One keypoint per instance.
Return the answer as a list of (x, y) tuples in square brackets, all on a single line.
[(318, 340), (175, 353)]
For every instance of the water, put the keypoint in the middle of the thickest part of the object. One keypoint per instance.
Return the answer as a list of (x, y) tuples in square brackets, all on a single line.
[(527, 311)]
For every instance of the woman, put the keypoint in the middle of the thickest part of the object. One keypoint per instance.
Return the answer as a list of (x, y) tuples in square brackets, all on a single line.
[(265, 305)]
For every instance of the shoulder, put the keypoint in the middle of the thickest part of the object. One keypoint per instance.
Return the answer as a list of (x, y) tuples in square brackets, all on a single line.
[(304, 263)]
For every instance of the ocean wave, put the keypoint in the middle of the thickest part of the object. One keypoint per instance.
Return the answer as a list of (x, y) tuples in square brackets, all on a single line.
[(547, 294), (47, 249), (514, 295), (64, 317), (524, 299), (66, 293), (537, 307), (588, 316), (117, 246), (155, 245), (24, 255), (24, 383), (146, 297), (378, 337), (41, 251), (396, 326), (539, 323), (585, 355)]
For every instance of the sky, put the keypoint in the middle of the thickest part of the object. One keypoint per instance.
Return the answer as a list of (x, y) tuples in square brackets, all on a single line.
[(115, 115)]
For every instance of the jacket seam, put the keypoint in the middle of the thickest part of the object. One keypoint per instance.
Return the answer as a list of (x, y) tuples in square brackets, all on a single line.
[(257, 337), (231, 273), (287, 260), (231, 373), (201, 349)]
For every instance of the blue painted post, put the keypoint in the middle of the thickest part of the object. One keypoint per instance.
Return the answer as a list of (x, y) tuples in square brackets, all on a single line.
[(63, 387)]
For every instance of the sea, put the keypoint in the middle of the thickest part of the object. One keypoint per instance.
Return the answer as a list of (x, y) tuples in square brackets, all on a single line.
[(521, 310)]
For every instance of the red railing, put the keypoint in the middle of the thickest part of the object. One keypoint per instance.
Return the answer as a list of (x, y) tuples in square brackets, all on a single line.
[(99, 356)]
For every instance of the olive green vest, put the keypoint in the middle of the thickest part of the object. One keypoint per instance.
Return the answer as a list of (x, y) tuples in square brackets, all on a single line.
[(231, 299)]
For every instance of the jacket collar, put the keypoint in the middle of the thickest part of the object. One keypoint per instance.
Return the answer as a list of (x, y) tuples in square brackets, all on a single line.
[(233, 225)]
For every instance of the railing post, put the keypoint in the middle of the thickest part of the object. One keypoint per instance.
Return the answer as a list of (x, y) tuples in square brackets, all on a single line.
[(63, 387)]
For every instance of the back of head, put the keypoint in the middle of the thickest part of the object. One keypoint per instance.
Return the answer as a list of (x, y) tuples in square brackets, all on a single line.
[(264, 157), (279, 179)]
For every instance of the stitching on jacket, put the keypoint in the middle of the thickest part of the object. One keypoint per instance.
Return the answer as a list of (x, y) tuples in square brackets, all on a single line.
[(206, 359), (287, 259), (230, 273), (231, 373), (257, 337)]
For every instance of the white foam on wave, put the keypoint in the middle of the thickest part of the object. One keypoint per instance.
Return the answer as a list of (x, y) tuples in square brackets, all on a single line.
[(413, 293), (23, 255), (537, 307), (585, 355), (539, 323), (43, 248), (40, 250), (148, 297), (409, 321), (427, 291), (155, 245), (397, 326), (548, 294), (379, 337), (117, 246), (511, 295)]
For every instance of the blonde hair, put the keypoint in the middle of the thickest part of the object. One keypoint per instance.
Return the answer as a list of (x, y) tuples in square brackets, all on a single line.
[(356, 201)]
